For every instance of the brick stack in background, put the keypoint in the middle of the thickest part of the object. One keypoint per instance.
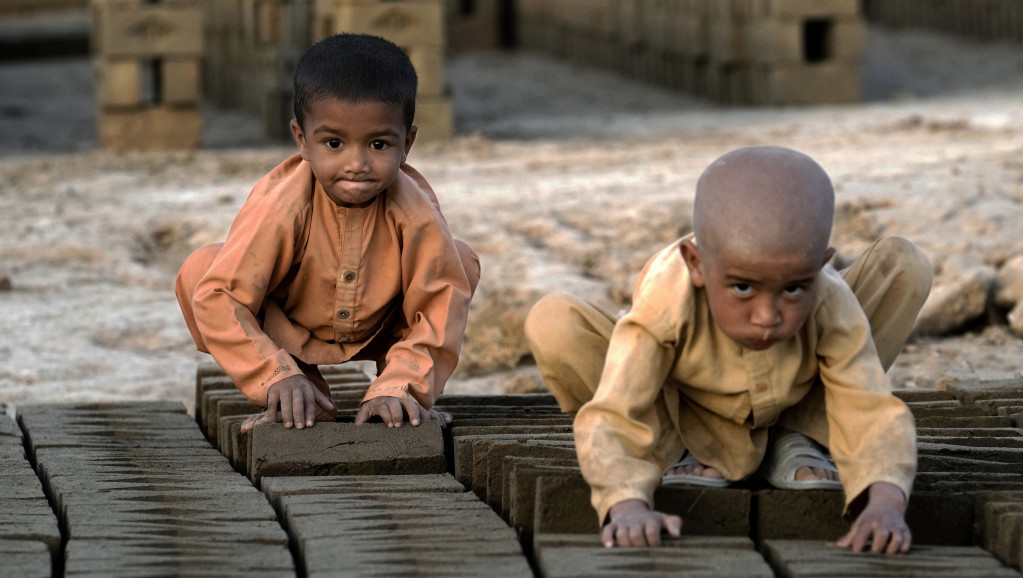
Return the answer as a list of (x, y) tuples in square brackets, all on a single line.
[(417, 26), (980, 19), (475, 24), (254, 46), (147, 57), (775, 52)]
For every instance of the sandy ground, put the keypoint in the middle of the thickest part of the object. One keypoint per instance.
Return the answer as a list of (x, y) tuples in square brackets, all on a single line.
[(562, 178)]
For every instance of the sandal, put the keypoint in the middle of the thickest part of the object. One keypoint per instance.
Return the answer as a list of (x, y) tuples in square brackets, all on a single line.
[(791, 451), (689, 479)]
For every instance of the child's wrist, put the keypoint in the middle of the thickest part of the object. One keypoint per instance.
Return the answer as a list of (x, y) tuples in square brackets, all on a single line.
[(888, 494)]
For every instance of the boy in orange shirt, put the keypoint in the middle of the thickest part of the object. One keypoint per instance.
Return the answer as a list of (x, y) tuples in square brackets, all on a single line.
[(340, 253), (745, 351)]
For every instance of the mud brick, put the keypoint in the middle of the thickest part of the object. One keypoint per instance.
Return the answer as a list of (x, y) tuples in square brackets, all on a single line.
[(920, 412), (811, 8), (280, 487), (435, 118), (181, 81), (152, 129), (803, 559), (516, 400), (119, 82), (206, 384), (26, 558), (729, 42), (978, 442), (518, 498), (811, 84), (148, 30), (976, 433), (224, 436), (968, 391), (471, 457), (574, 555), (923, 395), (493, 470), (799, 41), (418, 533), (403, 23), (153, 558), (227, 406), (965, 422), (708, 511), (999, 527), (798, 514), (941, 518), (991, 454), (346, 448), (563, 506)]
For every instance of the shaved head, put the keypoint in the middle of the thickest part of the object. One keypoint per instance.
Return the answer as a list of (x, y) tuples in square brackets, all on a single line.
[(763, 198)]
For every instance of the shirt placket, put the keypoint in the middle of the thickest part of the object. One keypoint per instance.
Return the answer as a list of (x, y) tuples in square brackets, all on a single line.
[(763, 402), (348, 268)]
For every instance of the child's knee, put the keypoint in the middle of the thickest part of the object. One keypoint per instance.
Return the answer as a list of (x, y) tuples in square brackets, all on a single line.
[(904, 261), (549, 321)]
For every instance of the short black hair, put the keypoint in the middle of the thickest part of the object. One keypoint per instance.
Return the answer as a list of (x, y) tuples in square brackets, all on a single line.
[(356, 68)]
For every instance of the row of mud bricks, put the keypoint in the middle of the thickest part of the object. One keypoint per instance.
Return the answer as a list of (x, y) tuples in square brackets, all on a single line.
[(980, 19), (144, 489), (155, 59), (773, 52)]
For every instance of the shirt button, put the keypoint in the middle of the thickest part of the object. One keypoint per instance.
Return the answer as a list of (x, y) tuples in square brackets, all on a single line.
[(349, 276), (761, 386), (344, 314)]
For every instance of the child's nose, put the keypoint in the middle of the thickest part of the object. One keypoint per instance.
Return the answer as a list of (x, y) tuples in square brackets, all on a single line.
[(355, 162), (766, 313)]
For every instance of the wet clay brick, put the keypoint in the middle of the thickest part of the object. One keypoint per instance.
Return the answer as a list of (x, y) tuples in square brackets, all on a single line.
[(518, 501), (563, 505), (401, 533), (498, 453), (941, 518), (26, 559), (346, 448), (923, 395), (276, 488), (578, 556), (806, 559), (798, 514), (707, 511)]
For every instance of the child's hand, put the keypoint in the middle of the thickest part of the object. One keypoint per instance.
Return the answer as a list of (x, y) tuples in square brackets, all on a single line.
[(882, 523), (392, 410), (633, 523), (296, 402)]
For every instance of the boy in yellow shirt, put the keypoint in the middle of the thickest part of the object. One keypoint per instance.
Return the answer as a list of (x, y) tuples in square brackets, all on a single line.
[(745, 352)]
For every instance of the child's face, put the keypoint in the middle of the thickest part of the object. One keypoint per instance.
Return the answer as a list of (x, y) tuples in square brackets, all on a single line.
[(355, 148), (758, 299)]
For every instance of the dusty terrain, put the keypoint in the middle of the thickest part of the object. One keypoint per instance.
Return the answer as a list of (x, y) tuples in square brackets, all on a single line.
[(562, 179)]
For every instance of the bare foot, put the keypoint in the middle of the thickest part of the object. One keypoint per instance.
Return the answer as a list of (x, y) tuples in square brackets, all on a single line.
[(694, 470), (804, 474)]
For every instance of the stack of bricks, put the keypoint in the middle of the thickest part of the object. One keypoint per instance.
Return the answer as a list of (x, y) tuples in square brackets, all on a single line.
[(147, 56), (474, 24), (417, 26), (254, 46), (980, 19), (774, 52)]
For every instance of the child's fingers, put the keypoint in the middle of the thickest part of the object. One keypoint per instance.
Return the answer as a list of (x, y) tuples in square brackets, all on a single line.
[(324, 401), (309, 411), (412, 408), (272, 400), (652, 532), (365, 412), (287, 411), (673, 524), (607, 536)]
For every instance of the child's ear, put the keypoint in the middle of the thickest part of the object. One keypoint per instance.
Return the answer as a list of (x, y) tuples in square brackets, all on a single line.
[(410, 138), (296, 131), (691, 256), (827, 256)]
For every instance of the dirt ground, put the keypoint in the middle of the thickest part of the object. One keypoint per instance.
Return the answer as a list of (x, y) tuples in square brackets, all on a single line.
[(563, 179)]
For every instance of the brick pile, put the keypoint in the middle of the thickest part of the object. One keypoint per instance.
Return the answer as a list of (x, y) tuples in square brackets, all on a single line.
[(254, 46), (774, 52), (980, 19), (139, 487), (147, 57)]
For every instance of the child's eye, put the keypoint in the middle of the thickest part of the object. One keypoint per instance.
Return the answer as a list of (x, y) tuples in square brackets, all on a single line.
[(378, 145), (794, 290), (743, 289), (333, 143)]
